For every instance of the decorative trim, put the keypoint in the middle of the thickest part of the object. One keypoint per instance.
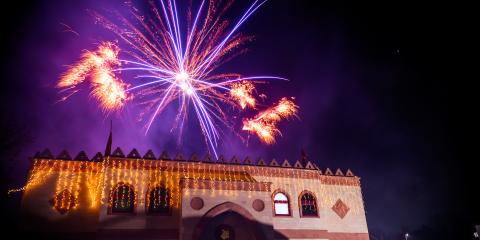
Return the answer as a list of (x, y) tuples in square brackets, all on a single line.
[(221, 159), (81, 156), (247, 161), (234, 160), (196, 203), (225, 185), (255, 170), (164, 156), (258, 205), (208, 158), (286, 164), (134, 154), (349, 173), (118, 153), (273, 163), (46, 154), (194, 158), (73, 201), (309, 165), (340, 208), (149, 155), (297, 164), (179, 157), (97, 158), (64, 155)]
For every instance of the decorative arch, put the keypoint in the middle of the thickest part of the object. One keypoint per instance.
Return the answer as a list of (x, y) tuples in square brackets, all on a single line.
[(278, 202), (225, 207), (307, 203), (122, 199), (158, 200)]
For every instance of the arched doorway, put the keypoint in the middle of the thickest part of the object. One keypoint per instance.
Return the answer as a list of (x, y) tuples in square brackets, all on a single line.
[(228, 221)]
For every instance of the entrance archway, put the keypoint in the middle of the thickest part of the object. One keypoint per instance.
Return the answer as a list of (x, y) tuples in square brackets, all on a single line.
[(228, 221)]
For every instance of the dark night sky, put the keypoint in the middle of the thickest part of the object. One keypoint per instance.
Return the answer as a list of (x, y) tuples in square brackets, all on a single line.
[(373, 81)]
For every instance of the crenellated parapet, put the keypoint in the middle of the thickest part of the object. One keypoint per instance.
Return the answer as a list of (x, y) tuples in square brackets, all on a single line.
[(149, 158)]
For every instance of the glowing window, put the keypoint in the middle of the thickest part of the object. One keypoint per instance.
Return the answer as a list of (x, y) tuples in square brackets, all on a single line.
[(308, 205), (159, 201), (123, 199), (281, 204)]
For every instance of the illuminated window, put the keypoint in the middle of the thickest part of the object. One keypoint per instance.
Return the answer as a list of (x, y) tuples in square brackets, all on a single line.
[(159, 201), (281, 204), (64, 201), (123, 199), (308, 205)]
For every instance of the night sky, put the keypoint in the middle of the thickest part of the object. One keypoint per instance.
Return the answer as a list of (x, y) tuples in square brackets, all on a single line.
[(373, 81)]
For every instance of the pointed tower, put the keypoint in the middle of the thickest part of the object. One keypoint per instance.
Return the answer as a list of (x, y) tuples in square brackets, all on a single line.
[(108, 148)]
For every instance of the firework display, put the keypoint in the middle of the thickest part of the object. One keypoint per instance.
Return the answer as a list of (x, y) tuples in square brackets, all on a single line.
[(174, 61), (98, 65), (242, 92), (265, 123)]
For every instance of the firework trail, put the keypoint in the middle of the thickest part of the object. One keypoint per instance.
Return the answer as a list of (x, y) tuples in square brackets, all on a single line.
[(174, 62), (265, 123)]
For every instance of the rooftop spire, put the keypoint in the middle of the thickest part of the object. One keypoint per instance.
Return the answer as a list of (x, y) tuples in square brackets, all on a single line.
[(108, 148), (304, 157)]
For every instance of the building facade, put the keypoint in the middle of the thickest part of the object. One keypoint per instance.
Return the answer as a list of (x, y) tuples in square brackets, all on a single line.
[(145, 197)]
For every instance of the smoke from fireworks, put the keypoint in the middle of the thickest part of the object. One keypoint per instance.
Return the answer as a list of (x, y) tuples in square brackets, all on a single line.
[(171, 64), (265, 123)]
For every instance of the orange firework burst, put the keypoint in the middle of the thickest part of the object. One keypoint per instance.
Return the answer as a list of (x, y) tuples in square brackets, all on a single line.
[(106, 88), (242, 92), (265, 123)]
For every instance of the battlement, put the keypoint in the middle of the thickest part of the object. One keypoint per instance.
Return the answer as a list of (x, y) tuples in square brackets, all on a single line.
[(194, 158)]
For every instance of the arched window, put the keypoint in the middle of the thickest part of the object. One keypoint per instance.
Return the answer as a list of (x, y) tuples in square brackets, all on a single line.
[(122, 199), (308, 205), (281, 204), (158, 201)]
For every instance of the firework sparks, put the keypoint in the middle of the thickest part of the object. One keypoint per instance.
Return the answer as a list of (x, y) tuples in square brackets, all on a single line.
[(265, 123), (172, 64), (106, 88), (242, 92)]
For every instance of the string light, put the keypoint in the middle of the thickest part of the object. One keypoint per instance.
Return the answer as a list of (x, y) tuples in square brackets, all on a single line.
[(157, 181)]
